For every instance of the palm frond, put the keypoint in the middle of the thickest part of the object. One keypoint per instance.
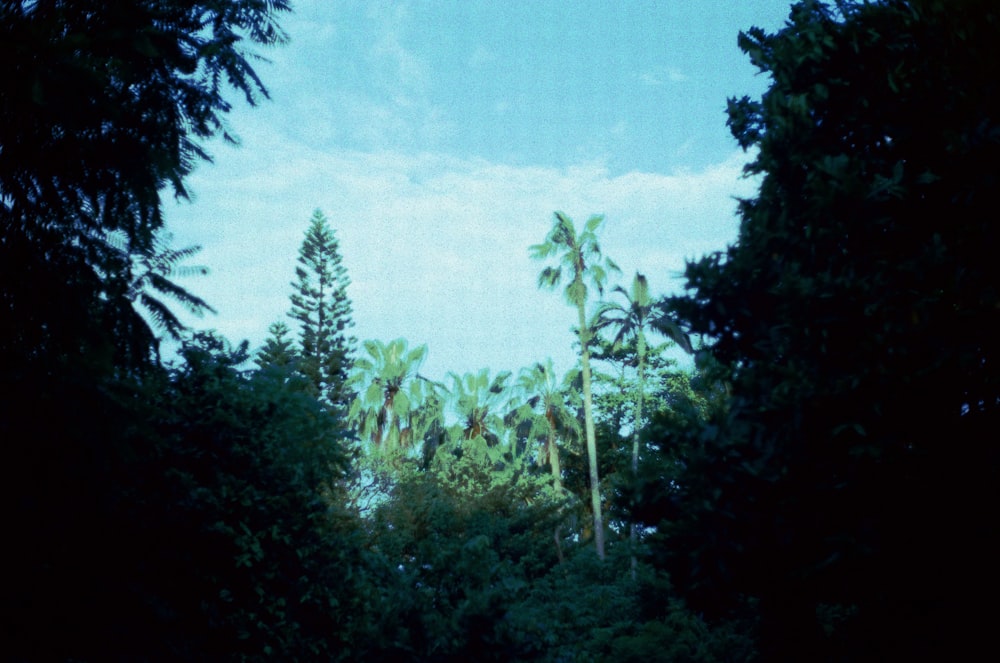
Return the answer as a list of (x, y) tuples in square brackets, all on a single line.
[(673, 331), (193, 303), (549, 278), (162, 316), (593, 223)]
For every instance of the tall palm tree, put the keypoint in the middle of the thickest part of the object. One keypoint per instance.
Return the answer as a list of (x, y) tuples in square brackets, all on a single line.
[(382, 381), (579, 261), (632, 319)]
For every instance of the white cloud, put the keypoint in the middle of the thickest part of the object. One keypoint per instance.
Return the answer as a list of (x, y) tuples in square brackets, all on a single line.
[(480, 57), (661, 76), (436, 246)]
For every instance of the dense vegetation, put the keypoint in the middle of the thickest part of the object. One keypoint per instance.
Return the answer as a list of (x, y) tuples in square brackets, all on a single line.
[(819, 487)]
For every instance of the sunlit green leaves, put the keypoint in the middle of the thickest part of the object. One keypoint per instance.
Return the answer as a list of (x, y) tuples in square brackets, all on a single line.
[(383, 381), (579, 255)]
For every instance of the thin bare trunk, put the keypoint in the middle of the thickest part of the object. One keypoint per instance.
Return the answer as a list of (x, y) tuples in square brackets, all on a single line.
[(633, 535), (588, 420), (554, 458)]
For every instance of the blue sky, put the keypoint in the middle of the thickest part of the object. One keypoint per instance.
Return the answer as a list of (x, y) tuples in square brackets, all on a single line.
[(439, 138)]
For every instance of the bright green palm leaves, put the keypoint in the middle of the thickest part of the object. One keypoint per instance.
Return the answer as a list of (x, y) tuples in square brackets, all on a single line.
[(579, 257), (630, 319), (545, 406), (477, 400), (384, 381), (425, 421), (580, 262)]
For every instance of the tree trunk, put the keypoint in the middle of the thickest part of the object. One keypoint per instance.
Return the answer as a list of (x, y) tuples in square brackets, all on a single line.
[(636, 429), (588, 420), (554, 464)]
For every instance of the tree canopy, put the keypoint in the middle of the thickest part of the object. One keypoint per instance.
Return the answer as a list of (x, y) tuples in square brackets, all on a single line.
[(100, 110), (322, 309), (857, 319)]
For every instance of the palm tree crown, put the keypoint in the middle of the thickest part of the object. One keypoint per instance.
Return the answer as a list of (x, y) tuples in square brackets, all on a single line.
[(579, 255), (476, 399), (382, 381)]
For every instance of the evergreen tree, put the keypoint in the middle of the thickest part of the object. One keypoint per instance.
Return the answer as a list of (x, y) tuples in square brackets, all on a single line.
[(323, 310), (279, 349)]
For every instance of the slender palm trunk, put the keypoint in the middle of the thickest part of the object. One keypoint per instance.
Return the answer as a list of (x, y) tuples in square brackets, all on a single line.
[(554, 458), (556, 478), (588, 421), (636, 430)]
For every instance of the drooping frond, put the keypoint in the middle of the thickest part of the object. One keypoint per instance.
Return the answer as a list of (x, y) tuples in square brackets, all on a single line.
[(151, 269)]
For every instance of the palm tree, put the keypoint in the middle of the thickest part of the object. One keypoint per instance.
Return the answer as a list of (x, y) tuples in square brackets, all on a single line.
[(543, 404), (579, 259), (424, 426), (632, 319), (476, 400), (382, 382)]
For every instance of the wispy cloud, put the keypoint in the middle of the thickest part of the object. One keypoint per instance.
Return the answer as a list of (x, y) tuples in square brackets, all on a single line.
[(397, 66), (436, 246), (662, 76), (359, 82), (481, 56)]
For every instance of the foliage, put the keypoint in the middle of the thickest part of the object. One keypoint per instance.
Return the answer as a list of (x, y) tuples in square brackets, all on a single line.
[(322, 309), (252, 493), (278, 350), (462, 562), (191, 517), (580, 256), (385, 381), (633, 319), (544, 405), (856, 320), (477, 401), (99, 111), (152, 272)]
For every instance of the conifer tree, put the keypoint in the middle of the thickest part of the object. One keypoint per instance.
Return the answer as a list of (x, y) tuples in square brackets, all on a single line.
[(279, 349), (322, 309)]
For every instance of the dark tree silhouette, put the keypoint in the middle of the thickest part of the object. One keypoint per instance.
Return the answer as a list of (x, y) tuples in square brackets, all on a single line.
[(101, 109), (857, 319)]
